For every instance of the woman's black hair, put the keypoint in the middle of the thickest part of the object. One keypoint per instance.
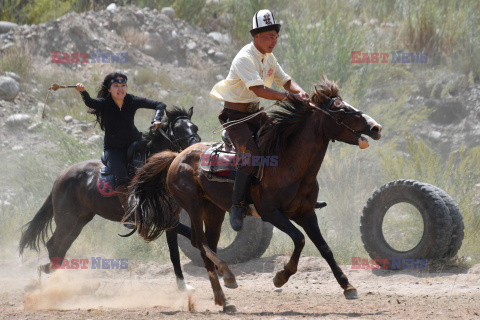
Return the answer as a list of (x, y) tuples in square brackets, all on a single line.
[(103, 93)]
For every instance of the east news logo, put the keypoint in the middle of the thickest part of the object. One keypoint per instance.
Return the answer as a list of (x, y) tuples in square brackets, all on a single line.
[(396, 263), (94, 263)]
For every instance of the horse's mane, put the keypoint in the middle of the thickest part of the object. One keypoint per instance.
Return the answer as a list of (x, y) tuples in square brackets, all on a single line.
[(275, 135), (176, 112)]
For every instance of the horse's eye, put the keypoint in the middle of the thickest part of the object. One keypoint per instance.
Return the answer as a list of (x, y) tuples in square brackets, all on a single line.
[(339, 106)]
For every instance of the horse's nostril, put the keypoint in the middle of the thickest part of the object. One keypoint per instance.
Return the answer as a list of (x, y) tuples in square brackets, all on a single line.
[(376, 128)]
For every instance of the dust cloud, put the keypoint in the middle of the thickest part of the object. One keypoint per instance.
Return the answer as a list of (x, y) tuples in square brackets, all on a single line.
[(72, 289), (80, 289)]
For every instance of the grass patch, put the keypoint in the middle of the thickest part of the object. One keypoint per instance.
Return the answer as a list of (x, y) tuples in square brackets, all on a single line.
[(17, 60)]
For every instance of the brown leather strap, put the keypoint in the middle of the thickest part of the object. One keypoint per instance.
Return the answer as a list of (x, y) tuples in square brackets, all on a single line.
[(242, 107)]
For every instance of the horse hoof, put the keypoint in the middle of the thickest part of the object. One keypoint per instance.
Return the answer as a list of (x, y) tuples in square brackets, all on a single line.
[(44, 268), (279, 280), (183, 286), (189, 288), (230, 283), (351, 294), (229, 308)]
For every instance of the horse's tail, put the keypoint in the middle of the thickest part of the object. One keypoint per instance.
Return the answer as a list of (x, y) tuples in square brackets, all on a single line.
[(36, 230), (150, 201)]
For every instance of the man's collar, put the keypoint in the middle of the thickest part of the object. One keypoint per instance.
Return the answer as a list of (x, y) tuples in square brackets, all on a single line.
[(257, 53)]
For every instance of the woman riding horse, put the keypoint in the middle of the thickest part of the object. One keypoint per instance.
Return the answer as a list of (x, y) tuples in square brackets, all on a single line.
[(115, 111), (75, 199)]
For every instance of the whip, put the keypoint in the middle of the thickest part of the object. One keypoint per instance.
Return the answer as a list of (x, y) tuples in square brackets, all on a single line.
[(54, 87)]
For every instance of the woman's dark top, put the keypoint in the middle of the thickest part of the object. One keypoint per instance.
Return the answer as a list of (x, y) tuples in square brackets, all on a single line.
[(120, 130)]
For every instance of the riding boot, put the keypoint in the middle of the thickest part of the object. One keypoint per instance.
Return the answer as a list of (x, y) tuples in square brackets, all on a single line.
[(128, 220), (240, 188), (320, 204)]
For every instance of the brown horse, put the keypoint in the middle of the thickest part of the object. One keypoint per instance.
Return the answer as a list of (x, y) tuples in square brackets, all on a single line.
[(299, 135), (75, 200)]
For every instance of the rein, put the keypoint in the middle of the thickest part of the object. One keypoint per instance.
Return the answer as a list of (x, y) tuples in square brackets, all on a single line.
[(235, 122), (170, 137), (329, 112), (163, 134)]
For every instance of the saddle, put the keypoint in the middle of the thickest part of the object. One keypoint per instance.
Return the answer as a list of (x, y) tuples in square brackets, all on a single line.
[(220, 161), (136, 158)]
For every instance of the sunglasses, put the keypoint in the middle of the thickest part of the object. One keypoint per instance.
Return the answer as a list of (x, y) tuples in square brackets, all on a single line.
[(118, 80)]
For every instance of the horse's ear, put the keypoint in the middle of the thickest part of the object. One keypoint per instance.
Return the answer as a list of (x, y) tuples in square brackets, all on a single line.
[(190, 112), (320, 95), (316, 95)]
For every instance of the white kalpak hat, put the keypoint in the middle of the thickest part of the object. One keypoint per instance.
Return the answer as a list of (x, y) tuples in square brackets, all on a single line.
[(263, 21)]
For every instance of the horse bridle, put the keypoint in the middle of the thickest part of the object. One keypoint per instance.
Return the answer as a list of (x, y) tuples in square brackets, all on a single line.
[(169, 135), (339, 120)]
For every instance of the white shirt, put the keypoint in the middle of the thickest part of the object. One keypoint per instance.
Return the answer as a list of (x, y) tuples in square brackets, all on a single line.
[(249, 68)]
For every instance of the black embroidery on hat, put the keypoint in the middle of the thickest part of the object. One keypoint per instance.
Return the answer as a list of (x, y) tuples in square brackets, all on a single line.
[(266, 19)]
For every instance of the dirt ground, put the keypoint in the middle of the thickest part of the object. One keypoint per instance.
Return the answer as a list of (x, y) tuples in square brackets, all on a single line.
[(148, 291)]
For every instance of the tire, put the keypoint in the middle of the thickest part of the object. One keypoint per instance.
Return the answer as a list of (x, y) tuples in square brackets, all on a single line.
[(457, 223), (248, 243), (267, 234), (436, 238)]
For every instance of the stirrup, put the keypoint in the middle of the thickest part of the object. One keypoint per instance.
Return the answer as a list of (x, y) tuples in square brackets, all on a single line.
[(129, 225), (128, 222), (240, 205), (320, 204)]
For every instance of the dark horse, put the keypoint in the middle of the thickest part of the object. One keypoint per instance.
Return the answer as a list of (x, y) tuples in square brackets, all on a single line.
[(75, 200), (299, 135)]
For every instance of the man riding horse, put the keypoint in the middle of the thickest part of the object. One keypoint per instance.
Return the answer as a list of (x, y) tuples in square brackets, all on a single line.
[(288, 190), (252, 73)]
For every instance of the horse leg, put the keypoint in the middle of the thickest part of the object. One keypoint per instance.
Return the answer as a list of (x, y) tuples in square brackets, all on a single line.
[(310, 225), (183, 230), (220, 299), (279, 220), (175, 258), (61, 240), (213, 225)]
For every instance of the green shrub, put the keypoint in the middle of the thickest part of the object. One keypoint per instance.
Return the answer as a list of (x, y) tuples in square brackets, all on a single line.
[(17, 60), (45, 10), (189, 10)]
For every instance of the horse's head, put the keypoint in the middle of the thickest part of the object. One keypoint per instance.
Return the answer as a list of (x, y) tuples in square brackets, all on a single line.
[(180, 128), (343, 122), (177, 132)]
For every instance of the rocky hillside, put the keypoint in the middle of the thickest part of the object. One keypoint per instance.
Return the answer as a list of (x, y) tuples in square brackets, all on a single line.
[(148, 36), (142, 38), (170, 55), (169, 47), (455, 120)]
